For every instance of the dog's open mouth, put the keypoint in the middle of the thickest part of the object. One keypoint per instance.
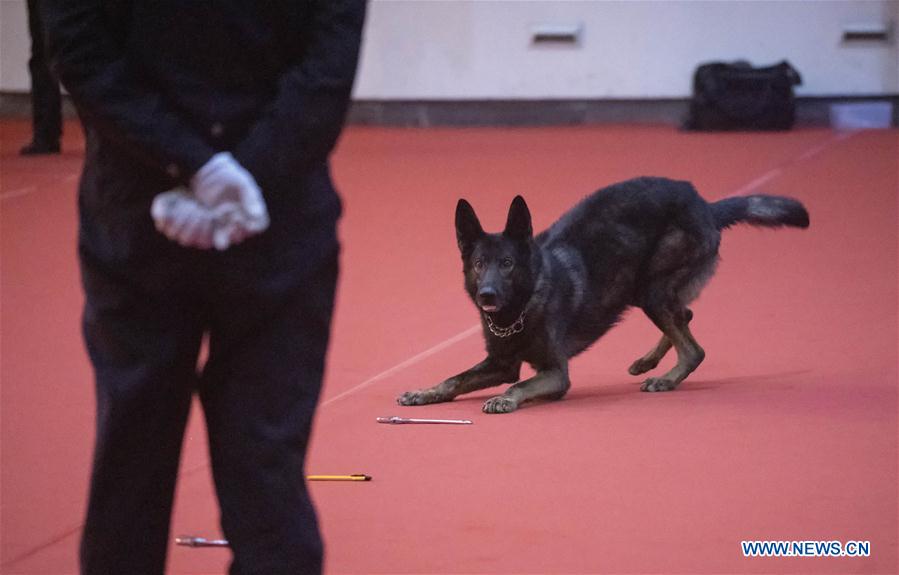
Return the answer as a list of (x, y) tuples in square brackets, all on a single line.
[(490, 308)]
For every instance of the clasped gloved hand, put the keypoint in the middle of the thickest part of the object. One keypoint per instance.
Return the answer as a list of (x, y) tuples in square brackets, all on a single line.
[(223, 207)]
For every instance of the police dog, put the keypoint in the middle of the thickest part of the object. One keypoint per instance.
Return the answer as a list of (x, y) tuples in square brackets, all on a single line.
[(647, 242)]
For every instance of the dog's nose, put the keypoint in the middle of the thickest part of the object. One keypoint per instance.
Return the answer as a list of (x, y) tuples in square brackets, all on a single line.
[(487, 296)]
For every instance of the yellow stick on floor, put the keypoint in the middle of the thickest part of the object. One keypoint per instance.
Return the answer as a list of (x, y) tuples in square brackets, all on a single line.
[(354, 477)]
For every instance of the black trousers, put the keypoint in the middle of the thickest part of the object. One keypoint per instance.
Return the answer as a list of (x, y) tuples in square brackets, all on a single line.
[(46, 102), (266, 308)]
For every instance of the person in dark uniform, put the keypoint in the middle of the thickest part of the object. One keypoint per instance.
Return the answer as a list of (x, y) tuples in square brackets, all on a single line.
[(219, 99), (46, 101)]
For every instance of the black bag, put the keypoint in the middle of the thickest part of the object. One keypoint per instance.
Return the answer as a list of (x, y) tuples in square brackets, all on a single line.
[(736, 96)]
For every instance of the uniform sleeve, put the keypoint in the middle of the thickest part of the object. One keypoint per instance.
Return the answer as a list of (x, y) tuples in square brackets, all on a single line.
[(90, 62), (301, 126)]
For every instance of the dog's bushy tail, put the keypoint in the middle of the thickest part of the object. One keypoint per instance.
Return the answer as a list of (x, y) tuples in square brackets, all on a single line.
[(760, 210)]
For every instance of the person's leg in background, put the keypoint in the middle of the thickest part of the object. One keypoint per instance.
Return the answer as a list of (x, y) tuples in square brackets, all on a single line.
[(144, 349), (46, 101), (259, 391)]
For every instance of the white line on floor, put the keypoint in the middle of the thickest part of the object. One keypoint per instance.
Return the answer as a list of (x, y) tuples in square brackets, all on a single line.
[(407, 363)]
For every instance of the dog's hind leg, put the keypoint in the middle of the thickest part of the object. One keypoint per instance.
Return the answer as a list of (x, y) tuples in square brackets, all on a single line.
[(675, 326), (684, 260), (655, 355), (488, 373), (550, 383)]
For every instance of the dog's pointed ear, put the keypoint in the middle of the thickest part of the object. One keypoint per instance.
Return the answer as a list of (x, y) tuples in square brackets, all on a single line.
[(518, 224), (468, 228)]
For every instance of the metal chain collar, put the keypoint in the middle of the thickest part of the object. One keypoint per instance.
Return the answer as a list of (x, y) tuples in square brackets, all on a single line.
[(516, 327)]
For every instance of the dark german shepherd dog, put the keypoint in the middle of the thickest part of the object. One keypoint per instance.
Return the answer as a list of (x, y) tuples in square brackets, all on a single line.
[(647, 242)]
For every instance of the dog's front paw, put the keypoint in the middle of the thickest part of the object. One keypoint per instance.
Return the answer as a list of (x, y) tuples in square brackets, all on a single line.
[(658, 384), (420, 397), (500, 404), (641, 366)]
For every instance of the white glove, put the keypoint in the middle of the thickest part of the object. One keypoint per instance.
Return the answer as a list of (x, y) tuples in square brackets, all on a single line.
[(181, 218), (230, 226), (222, 180)]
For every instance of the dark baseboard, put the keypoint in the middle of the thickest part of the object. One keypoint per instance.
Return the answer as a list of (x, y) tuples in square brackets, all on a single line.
[(18, 105), (815, 111), (516, 112), (810, 111)]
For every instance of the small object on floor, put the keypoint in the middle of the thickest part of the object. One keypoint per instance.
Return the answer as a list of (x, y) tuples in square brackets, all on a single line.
[(396, 420), (353, 477), (38, 148), (191, 541)]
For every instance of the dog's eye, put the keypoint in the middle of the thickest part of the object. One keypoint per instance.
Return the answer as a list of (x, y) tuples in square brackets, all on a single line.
[(507, 263), (478, 265)]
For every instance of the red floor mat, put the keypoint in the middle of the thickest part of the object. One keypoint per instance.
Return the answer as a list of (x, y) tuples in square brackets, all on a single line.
[(786, 432)]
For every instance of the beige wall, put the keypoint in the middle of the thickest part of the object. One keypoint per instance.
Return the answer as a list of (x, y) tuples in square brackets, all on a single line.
[(472, 49), (15, 44)]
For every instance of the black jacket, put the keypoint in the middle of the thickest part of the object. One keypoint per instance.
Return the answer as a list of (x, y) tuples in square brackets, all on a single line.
[(162, 85)]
